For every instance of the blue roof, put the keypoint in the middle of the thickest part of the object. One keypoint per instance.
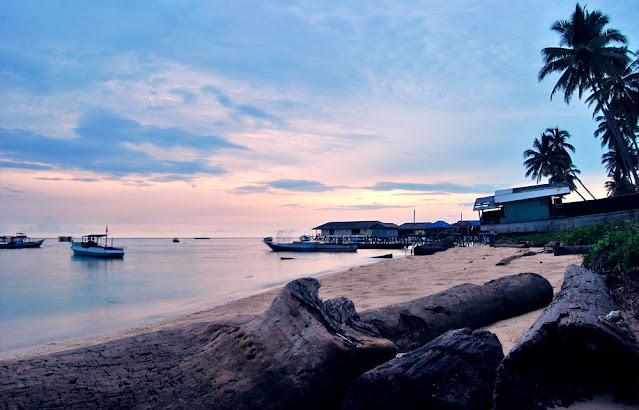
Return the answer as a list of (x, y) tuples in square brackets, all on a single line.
[(439, 224)]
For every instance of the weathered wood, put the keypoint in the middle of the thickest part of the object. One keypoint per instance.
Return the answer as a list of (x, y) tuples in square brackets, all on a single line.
[(412, 324), (457, 370), (571, 250), (300, 353), (571, 352), (509, 259), (433, 247)]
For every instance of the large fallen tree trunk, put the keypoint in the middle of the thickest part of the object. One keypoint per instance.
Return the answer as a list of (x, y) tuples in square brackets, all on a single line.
[(571, 352), (300, 353), (412, 324), (457, 370)]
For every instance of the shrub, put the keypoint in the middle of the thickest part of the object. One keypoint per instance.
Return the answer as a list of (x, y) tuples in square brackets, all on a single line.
[(617, 252)]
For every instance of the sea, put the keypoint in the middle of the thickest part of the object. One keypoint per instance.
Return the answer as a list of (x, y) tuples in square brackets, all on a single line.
[(49, 296)]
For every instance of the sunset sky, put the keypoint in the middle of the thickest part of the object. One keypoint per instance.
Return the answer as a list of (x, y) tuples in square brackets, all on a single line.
[(249, 118)]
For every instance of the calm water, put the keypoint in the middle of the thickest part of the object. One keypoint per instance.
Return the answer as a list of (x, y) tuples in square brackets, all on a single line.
[(47, 295)]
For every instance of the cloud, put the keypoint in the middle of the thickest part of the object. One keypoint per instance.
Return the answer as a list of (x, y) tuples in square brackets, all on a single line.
[(300, 185), (238, 109), (365, 207), (443, 187), (21, 164), (109, 143), (250, 189), (68, 179)]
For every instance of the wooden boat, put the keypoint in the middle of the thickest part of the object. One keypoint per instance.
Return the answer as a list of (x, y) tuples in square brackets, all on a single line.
[(19, 241), (176, 240), (306, 245), (65, 238), (91, 245)]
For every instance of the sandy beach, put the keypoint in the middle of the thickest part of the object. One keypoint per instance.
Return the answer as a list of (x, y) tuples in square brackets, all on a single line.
[(383, 283)]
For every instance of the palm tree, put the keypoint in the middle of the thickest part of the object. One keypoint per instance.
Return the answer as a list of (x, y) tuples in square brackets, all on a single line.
[(550, 158), (587, 59), (619, 185)]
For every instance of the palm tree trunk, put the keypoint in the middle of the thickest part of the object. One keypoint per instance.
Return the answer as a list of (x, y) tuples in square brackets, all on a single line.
[(570, 184), (582, 184), (614, 127)]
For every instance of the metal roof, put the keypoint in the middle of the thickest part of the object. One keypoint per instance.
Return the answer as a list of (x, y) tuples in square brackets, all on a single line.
[(357, 225), (530, 192), (487, 202), (439, 224)]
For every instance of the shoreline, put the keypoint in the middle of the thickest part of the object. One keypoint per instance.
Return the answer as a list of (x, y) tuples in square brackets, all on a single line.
[(374, 285)]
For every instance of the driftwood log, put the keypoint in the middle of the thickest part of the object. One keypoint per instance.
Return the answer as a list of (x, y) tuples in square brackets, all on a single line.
[(571, 352), (571, 250), (433, 247), (457, 370), (300, 353), (509, 259), (412, 324)]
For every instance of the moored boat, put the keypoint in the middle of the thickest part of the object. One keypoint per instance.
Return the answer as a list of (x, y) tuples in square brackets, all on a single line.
[(65, 238), (176, 240), (91, 245), (19, 241), (306, 245)]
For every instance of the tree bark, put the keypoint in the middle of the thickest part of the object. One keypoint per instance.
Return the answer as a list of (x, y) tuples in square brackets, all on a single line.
[(455, 371), (412, 324), (571, 352)]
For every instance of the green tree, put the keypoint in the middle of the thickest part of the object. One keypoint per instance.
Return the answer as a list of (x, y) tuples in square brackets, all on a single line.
[(588, 57), (550, 158)]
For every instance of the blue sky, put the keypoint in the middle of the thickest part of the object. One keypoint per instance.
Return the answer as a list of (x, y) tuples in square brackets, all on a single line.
[(171, 118)]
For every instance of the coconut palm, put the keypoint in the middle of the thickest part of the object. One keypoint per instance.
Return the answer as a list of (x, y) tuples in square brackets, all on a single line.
[(619, 185), (550, 158), (586, 60), (622, 94)]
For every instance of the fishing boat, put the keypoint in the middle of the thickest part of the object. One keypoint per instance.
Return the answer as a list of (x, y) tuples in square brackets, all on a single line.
[(20, 240), (306, 245), (96, 245), (65, 238), (176, 240)]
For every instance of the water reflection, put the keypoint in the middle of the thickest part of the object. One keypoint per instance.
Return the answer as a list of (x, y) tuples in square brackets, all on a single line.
[(94, 265)]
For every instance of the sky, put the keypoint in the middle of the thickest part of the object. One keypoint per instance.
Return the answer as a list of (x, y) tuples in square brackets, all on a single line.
[(250, 118)]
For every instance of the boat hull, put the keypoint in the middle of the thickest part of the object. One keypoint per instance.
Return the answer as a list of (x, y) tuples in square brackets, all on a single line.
[(98, 252), (310, 247), (18, 245)]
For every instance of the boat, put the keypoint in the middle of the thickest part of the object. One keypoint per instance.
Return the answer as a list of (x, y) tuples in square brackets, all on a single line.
[(20, 240), (96, 246), (176, 240), (202, 237), (306, 245), (65, 238)]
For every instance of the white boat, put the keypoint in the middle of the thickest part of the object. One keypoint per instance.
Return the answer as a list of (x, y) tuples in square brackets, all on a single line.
[(306, 245), (91, 245)]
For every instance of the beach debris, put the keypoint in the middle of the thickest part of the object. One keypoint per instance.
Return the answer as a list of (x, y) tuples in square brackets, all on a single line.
[(569, 354), (457, 370), (509, 259), (433, 247), (412, 324), (571, 250), (300, 353)]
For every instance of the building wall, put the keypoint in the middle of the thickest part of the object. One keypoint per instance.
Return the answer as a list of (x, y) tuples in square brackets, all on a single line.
[(554, 225), (528, 210), (375, 233)]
